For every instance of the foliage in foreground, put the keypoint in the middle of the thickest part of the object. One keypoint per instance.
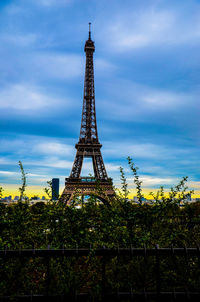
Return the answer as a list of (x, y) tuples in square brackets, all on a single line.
[(95, 224), (122, 224)]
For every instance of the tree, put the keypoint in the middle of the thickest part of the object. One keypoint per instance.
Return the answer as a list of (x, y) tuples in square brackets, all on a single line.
[(124, 184), (23, 178), (48, 189), (1, 192), (137, 181)]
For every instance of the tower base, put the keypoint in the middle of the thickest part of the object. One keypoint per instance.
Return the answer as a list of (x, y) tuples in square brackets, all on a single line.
[(102, 189)]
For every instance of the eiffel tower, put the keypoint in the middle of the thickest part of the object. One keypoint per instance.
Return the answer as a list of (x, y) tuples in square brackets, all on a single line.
[(88, 146)]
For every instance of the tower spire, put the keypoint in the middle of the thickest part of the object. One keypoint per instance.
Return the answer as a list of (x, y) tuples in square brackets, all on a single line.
[(89, 30)]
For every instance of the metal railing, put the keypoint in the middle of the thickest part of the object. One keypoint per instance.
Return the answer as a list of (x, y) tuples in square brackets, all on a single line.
[(105, 255)]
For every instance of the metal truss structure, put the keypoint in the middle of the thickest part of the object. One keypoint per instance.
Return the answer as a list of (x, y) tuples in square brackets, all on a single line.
[(88, 145)]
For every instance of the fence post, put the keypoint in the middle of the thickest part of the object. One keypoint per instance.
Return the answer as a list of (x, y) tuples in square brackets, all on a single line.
[(47, 276), (145, 265), (186, 268), (103, 286), (158, 278)]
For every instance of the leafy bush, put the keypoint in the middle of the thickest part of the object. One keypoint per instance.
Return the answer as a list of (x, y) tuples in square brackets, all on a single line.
[(94, 224)]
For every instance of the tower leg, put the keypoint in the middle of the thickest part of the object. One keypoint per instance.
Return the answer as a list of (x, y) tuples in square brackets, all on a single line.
[(77, 166)]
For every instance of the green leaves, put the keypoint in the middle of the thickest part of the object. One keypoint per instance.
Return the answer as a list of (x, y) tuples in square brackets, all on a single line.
[(1, 192), (137, 181), (92, 225), (23, 187), (48, 190), (124, 184)]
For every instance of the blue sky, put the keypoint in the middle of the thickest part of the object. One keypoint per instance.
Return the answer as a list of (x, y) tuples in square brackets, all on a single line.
[(147, 70)]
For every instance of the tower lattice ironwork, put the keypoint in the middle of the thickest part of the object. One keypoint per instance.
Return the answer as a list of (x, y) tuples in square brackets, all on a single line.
[(88, 145)]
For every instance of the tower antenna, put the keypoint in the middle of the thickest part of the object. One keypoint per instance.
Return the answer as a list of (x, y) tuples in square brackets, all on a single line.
[(89, 30)]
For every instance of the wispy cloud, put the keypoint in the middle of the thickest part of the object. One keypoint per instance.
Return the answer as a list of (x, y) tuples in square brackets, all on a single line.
[(17, 174), (140, 100), (136, 31), (144, 150), (19, 40), (23, 97), (102, 64), (58, 66), (194, 184), (32, 145), (149, 181), (9, 173), (55, 148), (152, 26), (6, 161)]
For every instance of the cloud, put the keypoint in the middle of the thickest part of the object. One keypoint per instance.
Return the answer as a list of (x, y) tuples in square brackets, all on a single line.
[(4, 160), (142, 30), (166, 182), (32, 146), (55, 65), (8, 173), (194, 184), (52, 162), (149, 181), (153, 26), (55, 162), (53, 148), (22, 40), (102, 64), (23, 97), (112, 167), (156, 159), (128, 100), (17, 174), (164, 99), (139, 150), (43, 157)]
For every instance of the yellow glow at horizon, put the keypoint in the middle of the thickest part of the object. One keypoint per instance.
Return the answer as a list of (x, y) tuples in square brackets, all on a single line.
[(30, 191), (146, 193), (13, 190)]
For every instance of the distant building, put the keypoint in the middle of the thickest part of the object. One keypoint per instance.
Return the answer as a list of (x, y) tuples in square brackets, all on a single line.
[(189, 197), (35, 197), (55, 188)]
